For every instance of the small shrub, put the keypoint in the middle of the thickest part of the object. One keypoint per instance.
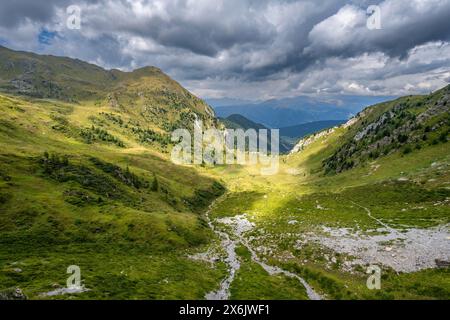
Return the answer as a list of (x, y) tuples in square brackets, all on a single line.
[(407, 150), (402, 138), (155, 184), (443, 137)]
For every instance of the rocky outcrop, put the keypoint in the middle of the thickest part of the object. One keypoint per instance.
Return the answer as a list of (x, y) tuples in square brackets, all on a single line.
[(302, 144), (12, 294)]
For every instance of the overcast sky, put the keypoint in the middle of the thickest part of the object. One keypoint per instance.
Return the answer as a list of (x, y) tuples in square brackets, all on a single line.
[(249, 49)]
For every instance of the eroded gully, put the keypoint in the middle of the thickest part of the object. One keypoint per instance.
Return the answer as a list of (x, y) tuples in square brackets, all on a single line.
[(233, 263)]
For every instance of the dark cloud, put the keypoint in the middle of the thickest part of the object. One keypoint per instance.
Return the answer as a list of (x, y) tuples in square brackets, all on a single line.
[(404, 25), (249, 48), (15, 12)]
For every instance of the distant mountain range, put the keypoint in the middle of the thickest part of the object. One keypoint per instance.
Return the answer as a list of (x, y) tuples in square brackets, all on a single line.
[(305, 129), (289, 136), (293, 111), (237, 121)]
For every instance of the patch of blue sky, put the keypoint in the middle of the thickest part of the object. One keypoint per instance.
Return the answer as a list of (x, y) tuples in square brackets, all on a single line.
[(46, 37)]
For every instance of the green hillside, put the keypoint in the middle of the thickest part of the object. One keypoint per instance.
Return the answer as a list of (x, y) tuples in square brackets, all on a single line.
[(147, 96), (85, 179), (406, 125)]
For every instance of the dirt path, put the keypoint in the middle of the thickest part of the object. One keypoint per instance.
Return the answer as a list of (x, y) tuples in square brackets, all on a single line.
[(392, 230), (369, 214)]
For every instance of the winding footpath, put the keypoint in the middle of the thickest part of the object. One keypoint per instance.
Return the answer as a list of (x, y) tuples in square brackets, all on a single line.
[(392, 230), (369, 214)]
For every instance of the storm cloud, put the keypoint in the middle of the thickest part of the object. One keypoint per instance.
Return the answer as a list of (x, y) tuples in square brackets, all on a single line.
[(249, 49)]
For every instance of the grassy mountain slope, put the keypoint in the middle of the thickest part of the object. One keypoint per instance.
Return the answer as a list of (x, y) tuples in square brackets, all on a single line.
[(85, 179), (405, 125), (147, 96), (52, 77)]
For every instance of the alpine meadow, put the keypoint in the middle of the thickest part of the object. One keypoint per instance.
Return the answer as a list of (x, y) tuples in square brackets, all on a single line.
[(94, 207)]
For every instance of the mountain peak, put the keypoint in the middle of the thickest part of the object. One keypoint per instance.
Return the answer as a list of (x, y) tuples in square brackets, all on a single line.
[(146, 93)]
